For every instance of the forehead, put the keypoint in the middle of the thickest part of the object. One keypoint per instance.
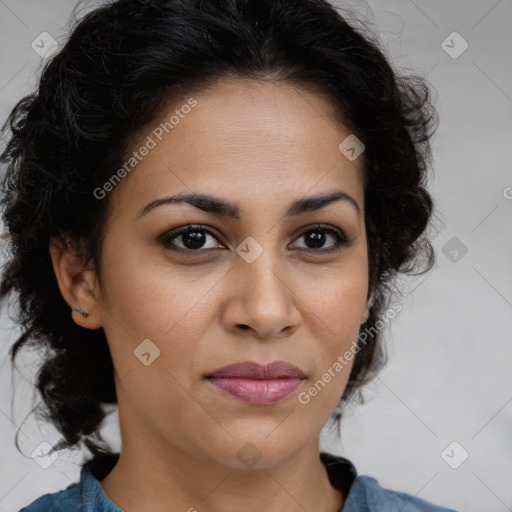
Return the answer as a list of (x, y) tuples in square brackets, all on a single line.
[(250, 139)]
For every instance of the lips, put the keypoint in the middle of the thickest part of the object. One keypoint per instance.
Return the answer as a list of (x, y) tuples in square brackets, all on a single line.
[(257, 384), (250, 370)]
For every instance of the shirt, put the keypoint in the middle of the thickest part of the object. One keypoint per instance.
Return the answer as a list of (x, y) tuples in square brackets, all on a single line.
[(362, 493)]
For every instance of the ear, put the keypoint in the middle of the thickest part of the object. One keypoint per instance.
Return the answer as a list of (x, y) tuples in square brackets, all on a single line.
[(77, 284)]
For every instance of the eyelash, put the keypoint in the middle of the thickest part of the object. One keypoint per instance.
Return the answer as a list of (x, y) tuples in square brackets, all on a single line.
[(339, 235)]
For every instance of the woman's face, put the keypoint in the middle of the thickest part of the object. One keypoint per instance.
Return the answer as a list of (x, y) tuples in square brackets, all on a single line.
[(250, 284)]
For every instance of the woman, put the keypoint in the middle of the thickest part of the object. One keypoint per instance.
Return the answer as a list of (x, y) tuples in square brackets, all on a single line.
[(208, 204)]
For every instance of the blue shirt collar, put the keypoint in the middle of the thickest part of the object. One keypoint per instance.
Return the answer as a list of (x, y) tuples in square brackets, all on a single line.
[(93, 495)]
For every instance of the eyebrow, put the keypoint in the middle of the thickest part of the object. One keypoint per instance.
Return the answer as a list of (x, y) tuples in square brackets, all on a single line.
[(222, 207)]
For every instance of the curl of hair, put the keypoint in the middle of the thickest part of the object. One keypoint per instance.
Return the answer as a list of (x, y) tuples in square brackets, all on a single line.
[(123, 63)]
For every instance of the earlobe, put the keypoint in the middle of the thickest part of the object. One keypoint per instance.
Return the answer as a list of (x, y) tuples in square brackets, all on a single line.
[(77, 284)]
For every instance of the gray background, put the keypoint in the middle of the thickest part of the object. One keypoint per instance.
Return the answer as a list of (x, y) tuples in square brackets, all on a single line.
[(448, 377)]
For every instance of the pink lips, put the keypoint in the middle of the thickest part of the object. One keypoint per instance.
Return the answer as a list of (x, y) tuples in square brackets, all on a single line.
[(258, 384)]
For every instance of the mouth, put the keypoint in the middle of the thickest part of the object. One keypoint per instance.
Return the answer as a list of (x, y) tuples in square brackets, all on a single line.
[(257, 384)]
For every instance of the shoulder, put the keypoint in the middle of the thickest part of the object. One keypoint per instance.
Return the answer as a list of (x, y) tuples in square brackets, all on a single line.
[(367, 495), (84, 496), (61, 501)]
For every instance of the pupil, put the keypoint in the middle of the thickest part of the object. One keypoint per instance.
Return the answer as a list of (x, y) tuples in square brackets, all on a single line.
[(318, 238), (193, 239)]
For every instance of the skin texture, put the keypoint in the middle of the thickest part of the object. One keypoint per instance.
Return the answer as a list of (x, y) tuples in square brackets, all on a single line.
[(261, 145)]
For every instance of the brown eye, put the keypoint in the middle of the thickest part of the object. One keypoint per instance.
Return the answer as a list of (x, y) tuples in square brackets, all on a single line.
[(192, 238), (316, 237)]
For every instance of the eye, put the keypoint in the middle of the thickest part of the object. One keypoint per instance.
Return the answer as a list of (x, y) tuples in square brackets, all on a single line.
[(192, 237), (316, 236)]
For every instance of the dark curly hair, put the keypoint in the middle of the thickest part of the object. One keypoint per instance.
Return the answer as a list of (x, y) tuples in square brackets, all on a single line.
[(119, 67)]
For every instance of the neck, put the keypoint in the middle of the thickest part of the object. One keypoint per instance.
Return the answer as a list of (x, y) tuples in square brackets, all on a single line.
[(146, 479)]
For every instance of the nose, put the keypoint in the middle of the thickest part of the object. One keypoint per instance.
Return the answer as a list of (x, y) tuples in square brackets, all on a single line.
[(262, 299)]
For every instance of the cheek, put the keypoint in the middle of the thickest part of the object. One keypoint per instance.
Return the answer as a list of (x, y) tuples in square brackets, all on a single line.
[(338, 297), (334, 343), (148, 297), (336, 310), (171, 307), (154, 311)]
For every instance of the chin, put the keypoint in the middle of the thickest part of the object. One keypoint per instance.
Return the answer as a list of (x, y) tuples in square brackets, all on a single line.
[(255, 452)]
